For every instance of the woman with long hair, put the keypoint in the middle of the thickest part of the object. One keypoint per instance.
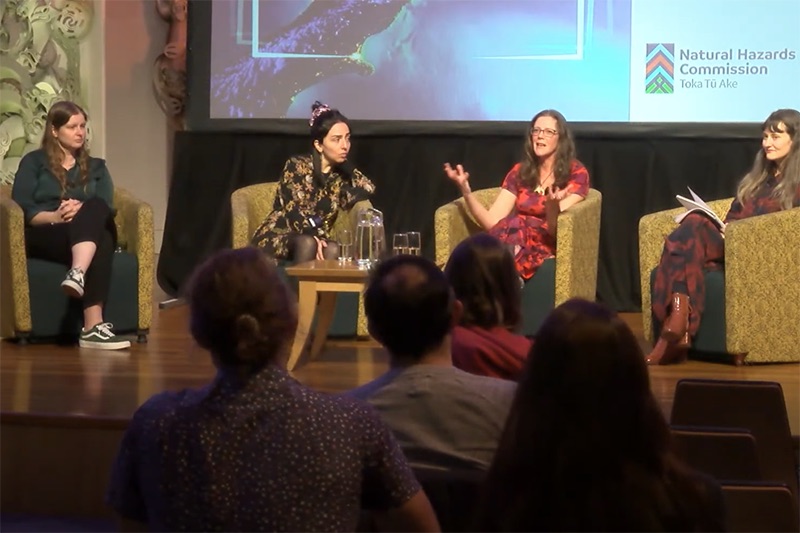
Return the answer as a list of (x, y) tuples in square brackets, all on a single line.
[(67, 198), (697, 244), (546, 182), (312, 190), (585, 446), (255, 450), (483, 275)]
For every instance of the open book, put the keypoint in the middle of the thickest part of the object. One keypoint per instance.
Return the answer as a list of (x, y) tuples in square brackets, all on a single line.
[(696, 204)]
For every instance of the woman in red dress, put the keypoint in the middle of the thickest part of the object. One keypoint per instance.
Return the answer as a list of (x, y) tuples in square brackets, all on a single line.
[(697, 244), (548, 181)]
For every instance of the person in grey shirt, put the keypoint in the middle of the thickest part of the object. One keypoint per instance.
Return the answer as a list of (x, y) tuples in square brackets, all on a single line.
[(441, 416)]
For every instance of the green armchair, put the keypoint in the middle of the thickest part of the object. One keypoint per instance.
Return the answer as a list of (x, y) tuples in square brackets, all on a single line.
[(250, 206), (32, 304), (752, 307), (572, 274)]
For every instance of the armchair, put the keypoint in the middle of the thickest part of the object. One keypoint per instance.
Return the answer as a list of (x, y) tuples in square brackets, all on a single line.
[(250, 206), (32, 304), (573, 273), (752, 307)]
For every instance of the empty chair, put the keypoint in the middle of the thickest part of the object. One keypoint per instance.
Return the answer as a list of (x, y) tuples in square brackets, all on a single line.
[(723, 453), (760, 507), (756, 405)]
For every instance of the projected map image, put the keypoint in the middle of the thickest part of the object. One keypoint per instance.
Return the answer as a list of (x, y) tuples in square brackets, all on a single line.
[(421, 59)]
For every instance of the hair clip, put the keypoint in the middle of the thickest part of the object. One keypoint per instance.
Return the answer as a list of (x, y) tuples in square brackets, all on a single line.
[(317, 112)]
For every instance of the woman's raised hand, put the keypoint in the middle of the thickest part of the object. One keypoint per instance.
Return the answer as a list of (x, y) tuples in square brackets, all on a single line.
[(459, 176)]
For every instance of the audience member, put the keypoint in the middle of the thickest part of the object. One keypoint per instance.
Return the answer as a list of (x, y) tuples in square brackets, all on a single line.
[(586, 447), (255, 450), (482, 273), (442, 417)]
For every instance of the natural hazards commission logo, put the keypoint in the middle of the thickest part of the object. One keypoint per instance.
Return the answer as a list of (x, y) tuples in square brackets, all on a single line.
[(659, 75)]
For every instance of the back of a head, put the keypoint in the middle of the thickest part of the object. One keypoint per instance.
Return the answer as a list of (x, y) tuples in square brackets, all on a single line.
[(409, 306), (484, 278), (241, 310), (585, 436)]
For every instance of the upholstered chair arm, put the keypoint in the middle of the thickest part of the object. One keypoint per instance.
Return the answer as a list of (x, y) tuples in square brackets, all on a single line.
[(15, 304), (762, 286), (577, 249), (249, 207), (453, 223), (136, 235)]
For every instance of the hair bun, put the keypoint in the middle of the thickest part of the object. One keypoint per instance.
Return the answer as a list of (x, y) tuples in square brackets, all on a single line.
[(316, 110)]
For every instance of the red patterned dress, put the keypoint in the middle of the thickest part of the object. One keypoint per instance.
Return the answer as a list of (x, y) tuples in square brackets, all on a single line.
[(697, 246), (526, 225)]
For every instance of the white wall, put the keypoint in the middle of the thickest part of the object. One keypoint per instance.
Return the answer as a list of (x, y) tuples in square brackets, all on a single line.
[(136, 139)]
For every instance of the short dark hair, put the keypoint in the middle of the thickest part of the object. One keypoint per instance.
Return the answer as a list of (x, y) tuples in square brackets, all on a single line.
[(240, 308), (483, 275), (409, 305)]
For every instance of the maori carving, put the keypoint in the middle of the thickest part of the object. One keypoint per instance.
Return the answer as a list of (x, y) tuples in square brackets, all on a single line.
[(39, 65), (169, 69)]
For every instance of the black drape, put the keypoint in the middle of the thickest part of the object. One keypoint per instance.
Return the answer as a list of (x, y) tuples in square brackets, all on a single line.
[(637, 174)]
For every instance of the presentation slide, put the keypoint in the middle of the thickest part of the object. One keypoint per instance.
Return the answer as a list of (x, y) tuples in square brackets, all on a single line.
[(504, 60)]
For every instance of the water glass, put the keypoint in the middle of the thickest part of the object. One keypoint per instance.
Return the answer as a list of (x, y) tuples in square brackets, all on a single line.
[(414, 243), (345, 246), (400, 244)]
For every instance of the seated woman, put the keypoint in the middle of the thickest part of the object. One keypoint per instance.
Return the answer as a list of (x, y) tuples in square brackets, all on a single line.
[(697, 244), (255, 450), (67, 199), (548, 181), (313, 188), (586, 446), (482, 273)]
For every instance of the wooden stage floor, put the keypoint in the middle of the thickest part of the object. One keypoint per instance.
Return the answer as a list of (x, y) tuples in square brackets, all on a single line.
[(68, 381)]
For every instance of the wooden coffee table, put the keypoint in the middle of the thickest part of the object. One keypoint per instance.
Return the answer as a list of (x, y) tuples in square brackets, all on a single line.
[(319, 282)]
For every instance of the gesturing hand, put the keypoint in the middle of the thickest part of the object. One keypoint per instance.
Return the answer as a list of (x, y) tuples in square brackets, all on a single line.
[(458, 175), (554, 197)]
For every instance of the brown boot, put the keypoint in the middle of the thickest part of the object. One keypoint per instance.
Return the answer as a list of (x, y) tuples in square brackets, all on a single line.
[(677, 323), (667, 353), (685, 342)]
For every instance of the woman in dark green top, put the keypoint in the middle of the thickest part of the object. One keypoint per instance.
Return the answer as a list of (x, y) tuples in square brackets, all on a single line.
[(67, 198)]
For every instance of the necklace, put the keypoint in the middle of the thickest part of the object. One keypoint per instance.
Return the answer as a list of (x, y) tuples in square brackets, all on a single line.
[(542, 187)]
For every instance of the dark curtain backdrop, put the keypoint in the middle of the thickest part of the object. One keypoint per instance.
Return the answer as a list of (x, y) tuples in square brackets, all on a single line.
[(637, 174)]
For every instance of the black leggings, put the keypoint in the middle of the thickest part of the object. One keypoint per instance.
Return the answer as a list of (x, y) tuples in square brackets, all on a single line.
[(303, 248), (53, 242)]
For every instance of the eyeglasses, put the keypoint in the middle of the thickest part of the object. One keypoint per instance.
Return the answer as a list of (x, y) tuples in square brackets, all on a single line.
[(547, 133)]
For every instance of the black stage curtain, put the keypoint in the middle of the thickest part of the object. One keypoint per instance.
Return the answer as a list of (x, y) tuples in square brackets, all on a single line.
[(637, 174)]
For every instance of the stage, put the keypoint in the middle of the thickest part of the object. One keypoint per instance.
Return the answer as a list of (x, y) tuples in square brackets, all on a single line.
[(64, 409)]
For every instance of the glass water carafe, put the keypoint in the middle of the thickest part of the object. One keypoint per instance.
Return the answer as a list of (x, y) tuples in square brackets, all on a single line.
[(370, 241)]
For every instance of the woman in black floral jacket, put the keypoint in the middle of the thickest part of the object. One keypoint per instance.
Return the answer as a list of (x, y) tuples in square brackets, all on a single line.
[(312, 190)]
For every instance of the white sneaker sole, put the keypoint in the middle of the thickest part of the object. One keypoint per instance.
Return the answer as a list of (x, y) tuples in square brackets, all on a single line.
[(72, 289), (104, 345)]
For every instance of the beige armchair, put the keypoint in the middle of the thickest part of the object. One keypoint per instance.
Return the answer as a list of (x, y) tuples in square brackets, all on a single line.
[(577, 243), (761, 287), (250, 206), (36, 309)]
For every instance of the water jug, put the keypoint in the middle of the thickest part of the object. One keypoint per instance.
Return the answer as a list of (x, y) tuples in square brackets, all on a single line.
[(370, 242)]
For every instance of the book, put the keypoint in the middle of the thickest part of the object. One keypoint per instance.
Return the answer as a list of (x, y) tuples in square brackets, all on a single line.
[(696, 204)]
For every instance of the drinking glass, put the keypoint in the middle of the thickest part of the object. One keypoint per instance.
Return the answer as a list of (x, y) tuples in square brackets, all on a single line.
[(414, 243), (400, 244), (345, 246)]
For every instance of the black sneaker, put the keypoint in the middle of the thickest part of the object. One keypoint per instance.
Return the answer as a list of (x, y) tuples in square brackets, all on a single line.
[(73, 283), (101, 337)]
